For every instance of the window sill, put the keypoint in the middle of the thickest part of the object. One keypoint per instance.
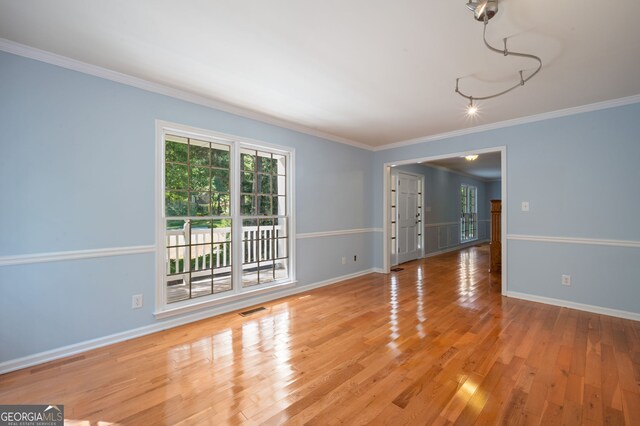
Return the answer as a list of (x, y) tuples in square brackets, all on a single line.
[(168, 311)]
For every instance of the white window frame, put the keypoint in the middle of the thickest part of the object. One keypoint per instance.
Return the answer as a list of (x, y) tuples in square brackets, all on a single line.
[(164, 309), (475, 211)]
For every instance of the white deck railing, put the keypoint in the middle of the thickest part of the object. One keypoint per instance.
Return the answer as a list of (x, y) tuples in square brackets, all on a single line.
[(210, 248)]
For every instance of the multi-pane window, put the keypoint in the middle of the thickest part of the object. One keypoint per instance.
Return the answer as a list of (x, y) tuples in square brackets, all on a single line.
[(468, 213), (198, 223), (263, 206), (394, 215), (202, 225)]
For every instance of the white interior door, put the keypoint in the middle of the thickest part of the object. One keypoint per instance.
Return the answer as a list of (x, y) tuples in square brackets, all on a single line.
[(408, 222)]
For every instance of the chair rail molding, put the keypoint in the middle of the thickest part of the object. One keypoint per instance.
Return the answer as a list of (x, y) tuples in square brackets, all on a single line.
[(337, 233), (574, 240), (23, 259)]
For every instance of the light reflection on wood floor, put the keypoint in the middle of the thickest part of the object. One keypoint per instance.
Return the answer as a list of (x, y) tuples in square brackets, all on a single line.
[(432, 344)]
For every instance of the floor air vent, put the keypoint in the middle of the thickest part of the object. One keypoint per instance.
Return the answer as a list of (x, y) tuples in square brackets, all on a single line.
[(397, 269), (252, 311)]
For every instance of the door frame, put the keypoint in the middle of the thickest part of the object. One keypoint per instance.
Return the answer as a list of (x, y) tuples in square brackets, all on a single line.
[(386, 228), (421, 231)]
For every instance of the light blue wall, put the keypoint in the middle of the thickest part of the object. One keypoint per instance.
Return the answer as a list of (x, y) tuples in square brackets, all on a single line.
[(442, 195), (494, 190), (580, 175), (77, 164), (601, 276), (77, 172)]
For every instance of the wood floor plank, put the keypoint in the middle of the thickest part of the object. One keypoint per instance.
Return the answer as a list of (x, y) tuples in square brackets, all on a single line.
[(435, 343), (631, 407), (552, 414)]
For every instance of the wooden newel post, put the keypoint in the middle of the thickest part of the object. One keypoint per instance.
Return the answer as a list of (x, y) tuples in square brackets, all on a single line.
[(496, 241)]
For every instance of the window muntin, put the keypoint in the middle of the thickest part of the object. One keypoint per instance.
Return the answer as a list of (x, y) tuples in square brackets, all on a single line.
[(263, 207), (394, 215), (207, 243), (468, 213), (197, 178), (197, 227), (199, 212)]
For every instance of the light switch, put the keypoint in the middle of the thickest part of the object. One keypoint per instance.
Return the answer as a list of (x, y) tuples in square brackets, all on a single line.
[(525, 206)]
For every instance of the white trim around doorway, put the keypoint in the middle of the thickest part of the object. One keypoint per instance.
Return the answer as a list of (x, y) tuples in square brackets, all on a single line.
[(422, 224), (386, 203)]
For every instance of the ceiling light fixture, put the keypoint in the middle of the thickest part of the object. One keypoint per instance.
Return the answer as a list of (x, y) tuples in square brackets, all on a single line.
[(483, 10), (471, 157), (472, 109)]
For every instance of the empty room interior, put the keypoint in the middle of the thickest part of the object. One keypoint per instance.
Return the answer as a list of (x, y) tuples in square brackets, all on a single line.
[(286, 212)]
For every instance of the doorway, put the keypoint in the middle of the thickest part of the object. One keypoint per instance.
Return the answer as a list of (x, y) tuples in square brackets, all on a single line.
[(408, 216), (444, 233)]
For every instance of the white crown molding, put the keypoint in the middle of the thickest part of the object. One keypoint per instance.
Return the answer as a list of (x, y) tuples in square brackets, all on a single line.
[(515, 122), (24, 259), (337, 233), (457, 172), (57, 353), (573, 240), (83, 67), (94, 70), (574, 305), (421, 160)]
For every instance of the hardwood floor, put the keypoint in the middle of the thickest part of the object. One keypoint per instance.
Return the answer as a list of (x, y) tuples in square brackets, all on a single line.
[(432, 344)]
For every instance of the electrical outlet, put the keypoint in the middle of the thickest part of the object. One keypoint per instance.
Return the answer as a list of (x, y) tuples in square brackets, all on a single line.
[(566, 280), (344, 260), (355, 258), (525, 206), (136, 301)]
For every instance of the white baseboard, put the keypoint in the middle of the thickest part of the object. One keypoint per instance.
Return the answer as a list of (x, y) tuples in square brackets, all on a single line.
[(574, 305), (76, 348), (458, 247)]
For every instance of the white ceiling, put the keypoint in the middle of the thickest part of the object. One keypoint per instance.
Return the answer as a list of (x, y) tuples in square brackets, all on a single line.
[(370, 71), (486, 167)]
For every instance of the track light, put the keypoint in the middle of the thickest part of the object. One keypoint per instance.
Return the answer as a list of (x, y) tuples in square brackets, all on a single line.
[(483, 10), (472, 109)]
